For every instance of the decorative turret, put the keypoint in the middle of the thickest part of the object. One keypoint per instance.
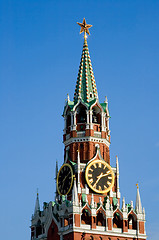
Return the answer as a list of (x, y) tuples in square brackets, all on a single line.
[(117, 177), (138, 206), (123, 204), (37, 205), (74, 194)]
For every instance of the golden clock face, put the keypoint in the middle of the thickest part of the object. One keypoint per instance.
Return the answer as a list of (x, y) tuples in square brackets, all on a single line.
[(64, 179), (99, 176)]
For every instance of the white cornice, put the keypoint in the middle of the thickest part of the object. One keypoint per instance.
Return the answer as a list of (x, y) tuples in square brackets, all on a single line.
[(107, 233), (87, 139)]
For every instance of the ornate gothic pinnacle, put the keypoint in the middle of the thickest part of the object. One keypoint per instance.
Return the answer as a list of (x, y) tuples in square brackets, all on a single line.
[(138, 206)]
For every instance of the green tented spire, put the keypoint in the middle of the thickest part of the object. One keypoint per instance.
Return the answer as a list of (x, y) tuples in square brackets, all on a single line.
[(86, 89)]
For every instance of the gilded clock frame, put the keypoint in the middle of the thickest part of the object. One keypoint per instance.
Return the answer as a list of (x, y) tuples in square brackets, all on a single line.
[(87, 180), (68, 165)]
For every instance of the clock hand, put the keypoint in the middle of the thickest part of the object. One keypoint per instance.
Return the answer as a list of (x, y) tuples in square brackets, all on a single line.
[(65, 179), (99, 177), (106, 174)]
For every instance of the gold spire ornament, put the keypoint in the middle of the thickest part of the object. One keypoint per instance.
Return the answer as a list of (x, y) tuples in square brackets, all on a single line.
[(137, 185), (84, 27)]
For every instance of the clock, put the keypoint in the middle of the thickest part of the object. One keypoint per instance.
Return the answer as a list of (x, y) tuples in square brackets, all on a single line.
[(64, 179), (99, 176)]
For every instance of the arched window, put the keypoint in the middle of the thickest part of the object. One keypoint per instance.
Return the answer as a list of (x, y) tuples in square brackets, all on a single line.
[(96, 118), (85, 218), (132, 224), (100, 219), (81, 114), (68, 120), (66, 219), (66, 222), (91, 94), (91, 237), (117, 221), (38, 228)]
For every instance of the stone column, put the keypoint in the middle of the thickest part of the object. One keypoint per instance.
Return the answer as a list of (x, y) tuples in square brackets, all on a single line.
[(87, 125), (102, 121), (65, 118), (73, 121), (91, 124)]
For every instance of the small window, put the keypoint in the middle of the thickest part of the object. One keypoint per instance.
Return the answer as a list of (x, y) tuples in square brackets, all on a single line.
[(91, 95), (81, 145)]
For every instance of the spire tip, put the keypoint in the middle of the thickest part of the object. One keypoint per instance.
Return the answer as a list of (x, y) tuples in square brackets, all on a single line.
[(84, 28)]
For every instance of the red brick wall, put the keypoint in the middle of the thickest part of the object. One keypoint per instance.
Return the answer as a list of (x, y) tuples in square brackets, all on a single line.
[(88, 151)]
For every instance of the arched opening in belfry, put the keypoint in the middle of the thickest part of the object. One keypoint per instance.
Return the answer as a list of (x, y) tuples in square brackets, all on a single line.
[(117, 220), (66, 219), (132, 223), (66, 222), (100, 219), (96, 118), (68, 121), (38, 228), (85, 218), (81, 114)]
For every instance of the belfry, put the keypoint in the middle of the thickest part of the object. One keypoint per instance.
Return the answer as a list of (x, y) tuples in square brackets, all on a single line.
[(87, 202)]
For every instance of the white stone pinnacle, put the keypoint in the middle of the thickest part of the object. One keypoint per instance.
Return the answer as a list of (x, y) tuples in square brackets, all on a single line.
[(138, 206), (92, 201), (106, 99), (78, 172), (75, 194), (108, 204), (131, 205), (68, 97), (123, 204), (100, 200), (37, 205)]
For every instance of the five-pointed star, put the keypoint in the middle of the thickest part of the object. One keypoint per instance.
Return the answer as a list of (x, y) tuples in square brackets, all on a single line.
[(84, 26)]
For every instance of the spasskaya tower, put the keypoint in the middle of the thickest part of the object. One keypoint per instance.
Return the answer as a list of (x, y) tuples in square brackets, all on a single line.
[(87, 202)]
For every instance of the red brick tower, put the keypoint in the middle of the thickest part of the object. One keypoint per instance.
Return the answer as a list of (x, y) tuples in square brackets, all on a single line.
[(87, 202)]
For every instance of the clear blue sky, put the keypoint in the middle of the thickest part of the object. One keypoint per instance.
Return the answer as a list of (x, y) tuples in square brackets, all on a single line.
[(40, 50)]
